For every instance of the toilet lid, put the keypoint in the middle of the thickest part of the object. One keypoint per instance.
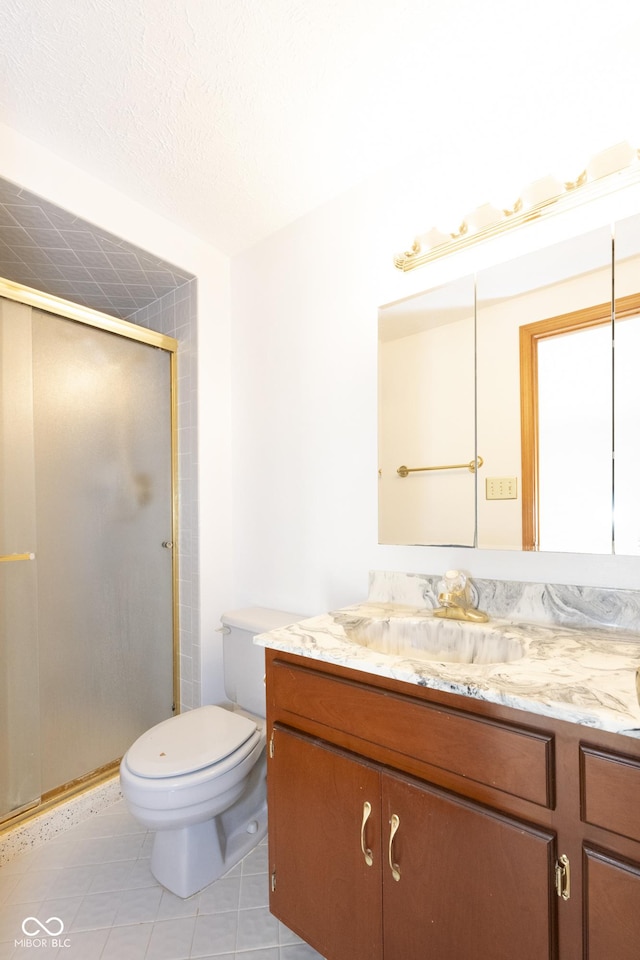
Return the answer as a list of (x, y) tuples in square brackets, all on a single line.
[(189, 742)]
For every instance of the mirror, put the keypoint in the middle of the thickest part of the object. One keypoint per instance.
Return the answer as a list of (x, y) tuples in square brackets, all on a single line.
[(626, 419), (426, 417), (521, 356)]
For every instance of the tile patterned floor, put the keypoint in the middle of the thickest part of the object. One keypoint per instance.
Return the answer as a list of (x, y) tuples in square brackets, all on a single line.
[(95, 879)]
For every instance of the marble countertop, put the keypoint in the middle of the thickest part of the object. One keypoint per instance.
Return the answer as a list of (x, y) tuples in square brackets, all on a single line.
[(584, 675)]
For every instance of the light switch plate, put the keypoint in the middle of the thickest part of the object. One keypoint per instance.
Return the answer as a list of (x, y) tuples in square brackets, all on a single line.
[(502, 488)]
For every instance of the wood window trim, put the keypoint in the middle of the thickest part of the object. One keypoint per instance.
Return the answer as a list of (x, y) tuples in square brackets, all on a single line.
[(530, 335)]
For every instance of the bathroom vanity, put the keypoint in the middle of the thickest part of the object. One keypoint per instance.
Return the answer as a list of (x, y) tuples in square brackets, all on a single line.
[(414, 815)]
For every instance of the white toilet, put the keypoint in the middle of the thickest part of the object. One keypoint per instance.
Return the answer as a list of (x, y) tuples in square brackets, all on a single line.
[(199, 779)]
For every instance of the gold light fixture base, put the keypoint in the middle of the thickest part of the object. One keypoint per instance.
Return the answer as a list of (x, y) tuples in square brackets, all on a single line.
[(434, 244)]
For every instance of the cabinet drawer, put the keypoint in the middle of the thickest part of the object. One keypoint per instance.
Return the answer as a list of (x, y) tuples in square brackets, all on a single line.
[(509, 758), (610, 788)]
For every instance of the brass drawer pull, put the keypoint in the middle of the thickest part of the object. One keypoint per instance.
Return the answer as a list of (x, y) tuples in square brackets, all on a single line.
[(395, 823), (366, 853)]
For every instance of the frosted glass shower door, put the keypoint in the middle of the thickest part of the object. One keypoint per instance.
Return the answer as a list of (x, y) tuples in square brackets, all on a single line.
[(102, 439), (19, 691)]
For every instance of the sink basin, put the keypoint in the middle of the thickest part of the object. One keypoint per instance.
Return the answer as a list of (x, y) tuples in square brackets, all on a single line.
[(443, 641)]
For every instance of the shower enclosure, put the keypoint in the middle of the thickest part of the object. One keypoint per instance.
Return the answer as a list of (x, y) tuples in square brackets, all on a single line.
[(87, 525)]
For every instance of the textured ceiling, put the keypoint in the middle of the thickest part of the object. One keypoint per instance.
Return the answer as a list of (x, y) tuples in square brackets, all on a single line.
[(235, 117)]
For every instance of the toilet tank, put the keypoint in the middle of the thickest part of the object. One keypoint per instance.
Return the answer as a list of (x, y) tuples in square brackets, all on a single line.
[(243, 660)]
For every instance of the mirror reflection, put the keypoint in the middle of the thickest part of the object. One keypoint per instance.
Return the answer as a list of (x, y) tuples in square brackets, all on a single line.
[(523, 360), (544, 396), (426, 417), (626, 420)]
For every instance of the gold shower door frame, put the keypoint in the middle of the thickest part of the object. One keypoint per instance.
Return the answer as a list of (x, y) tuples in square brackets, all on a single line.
[(122, 328)]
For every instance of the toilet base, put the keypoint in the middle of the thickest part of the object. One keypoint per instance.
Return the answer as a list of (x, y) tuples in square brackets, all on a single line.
[(190, 858), (186, 859)]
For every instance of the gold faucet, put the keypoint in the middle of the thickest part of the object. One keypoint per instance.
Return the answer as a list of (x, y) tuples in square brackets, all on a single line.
[(454, 600)]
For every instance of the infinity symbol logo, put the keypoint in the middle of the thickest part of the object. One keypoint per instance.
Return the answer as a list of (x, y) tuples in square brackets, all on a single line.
[(41, 927)]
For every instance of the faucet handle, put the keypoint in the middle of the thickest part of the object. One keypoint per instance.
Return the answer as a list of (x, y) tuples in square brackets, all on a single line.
[(453, 582)]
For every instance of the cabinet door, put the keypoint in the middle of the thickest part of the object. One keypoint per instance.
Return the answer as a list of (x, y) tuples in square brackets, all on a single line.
[(471, 882), (323, 887), (612, 907)]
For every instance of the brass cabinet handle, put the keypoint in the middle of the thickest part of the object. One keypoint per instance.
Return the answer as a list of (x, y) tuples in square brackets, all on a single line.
[(366, 853), (395, 823), (563, 877), (9, 557)]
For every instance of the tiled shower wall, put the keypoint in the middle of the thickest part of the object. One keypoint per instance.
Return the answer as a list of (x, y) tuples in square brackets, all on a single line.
[(175, 315)]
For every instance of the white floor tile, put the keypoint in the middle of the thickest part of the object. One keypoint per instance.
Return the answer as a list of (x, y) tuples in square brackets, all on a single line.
[(74, 881), (140, 875), (139, 906), (220, 897), (50, 856), (173, 908), (65, 908), (127, 943), (286, 936), (221, 956), (86, 945), (269, 953), (171, 939), (257, 861), (12, 916), (256, 928), (111, 876), (7, 884), (96, 910), (254, 891), (235, 871), (96, 878), (215, 934), (32, 886), (299, 951)]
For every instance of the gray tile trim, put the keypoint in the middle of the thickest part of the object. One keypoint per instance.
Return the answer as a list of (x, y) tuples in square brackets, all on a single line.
[(40, 245)]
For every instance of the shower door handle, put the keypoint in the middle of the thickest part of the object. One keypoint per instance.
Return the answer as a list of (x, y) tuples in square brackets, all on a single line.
[(11, 557)]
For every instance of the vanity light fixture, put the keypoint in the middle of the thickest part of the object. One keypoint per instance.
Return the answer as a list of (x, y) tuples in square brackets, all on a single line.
[(610, 170)]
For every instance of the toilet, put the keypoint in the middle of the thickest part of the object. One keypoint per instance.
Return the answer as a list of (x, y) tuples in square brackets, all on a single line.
[(199, 779)]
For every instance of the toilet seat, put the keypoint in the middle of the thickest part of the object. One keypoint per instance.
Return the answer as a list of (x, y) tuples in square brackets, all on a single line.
[(205, 737)]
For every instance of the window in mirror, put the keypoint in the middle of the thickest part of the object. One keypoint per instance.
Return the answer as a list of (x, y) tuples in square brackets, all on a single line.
[(565, 404), (426, 418), (523, 429)]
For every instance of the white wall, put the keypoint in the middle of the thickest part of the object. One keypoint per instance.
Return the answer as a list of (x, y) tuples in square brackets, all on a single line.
[(29, 165), (298, 488), (304, 401)]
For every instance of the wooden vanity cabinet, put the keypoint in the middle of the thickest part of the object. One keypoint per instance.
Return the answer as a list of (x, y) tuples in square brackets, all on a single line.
[(453, 879), (410, 824)]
